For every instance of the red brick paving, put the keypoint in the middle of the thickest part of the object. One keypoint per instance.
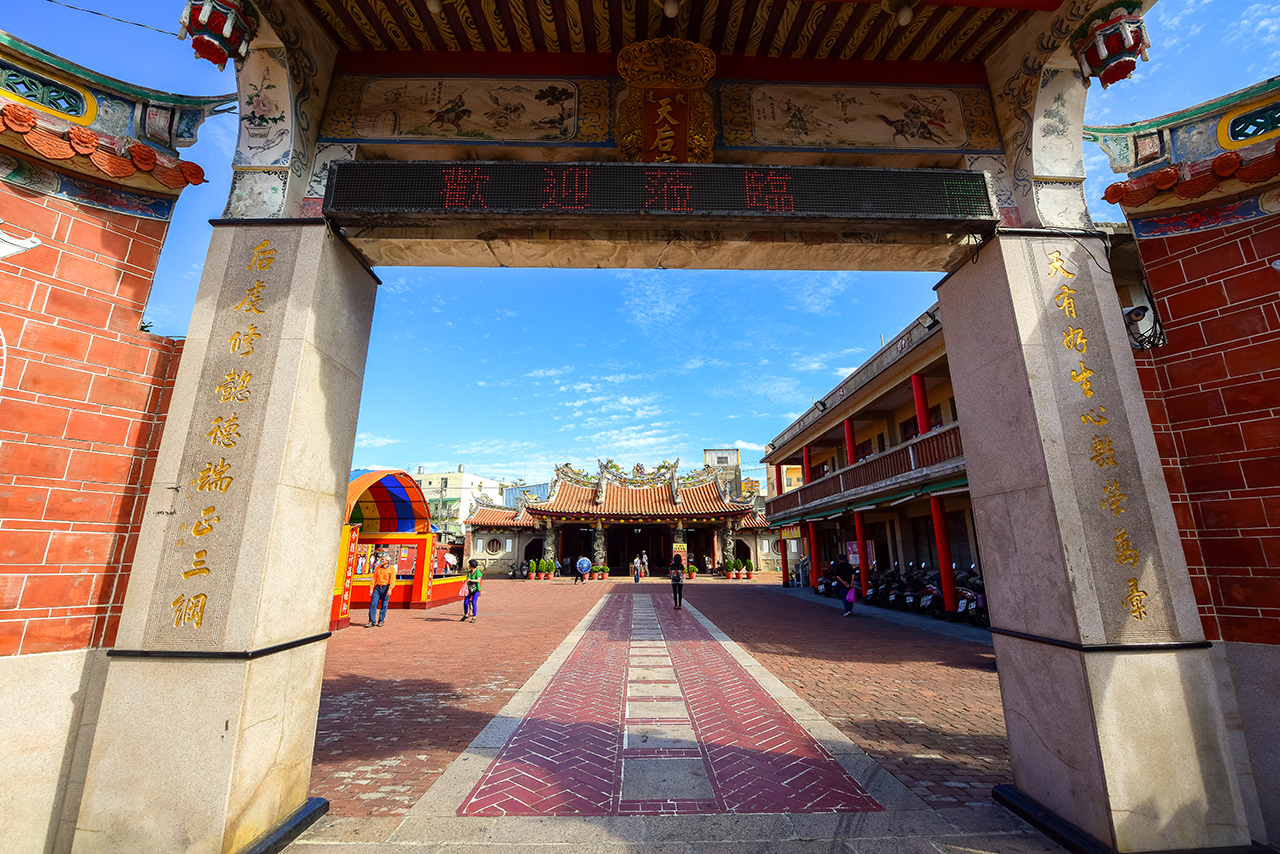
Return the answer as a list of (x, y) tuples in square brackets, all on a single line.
[(924, 706), (401, 702)]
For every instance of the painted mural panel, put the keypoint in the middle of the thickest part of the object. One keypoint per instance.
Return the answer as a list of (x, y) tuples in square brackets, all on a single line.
[(858, 117), (471, 109), (265, 124), (38, 179)]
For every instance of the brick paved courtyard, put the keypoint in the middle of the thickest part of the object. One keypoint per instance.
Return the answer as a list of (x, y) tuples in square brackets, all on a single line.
[(402, 702)]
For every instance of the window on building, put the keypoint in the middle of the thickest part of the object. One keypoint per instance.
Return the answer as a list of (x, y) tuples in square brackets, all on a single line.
[(444, 482), (478, 544), (789, 483), (764, 547), (722, 461), (793, 546), (880, 441), (494, 546), (862, 450), (935, 417), (909, 429), (508, 544)]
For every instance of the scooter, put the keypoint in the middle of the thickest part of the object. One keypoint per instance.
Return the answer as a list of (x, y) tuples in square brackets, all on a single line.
[(975, 598)]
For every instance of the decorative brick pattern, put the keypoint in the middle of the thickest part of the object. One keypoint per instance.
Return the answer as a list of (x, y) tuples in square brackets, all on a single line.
[(400, 703), (565, 757), (1214, 397), (82, 402), (761, 760)]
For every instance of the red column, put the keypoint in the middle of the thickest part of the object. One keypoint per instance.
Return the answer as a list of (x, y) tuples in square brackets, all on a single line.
[(808, 478), (922, 403), (947, 576), (777, 480), (813, 555), (782, 552), (864, 568), (849, 451)]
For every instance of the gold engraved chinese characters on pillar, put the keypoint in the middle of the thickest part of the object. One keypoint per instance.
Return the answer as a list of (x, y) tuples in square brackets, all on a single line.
[(666, 116), (1134, 601), (1058, 265)]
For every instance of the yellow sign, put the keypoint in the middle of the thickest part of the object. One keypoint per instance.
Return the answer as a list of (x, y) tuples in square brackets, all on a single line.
[(789, 532)]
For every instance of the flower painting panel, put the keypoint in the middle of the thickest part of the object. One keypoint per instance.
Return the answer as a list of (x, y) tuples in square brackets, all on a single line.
[(265, 124)]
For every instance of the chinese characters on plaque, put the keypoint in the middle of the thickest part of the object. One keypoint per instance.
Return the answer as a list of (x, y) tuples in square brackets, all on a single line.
[(1101, 449)]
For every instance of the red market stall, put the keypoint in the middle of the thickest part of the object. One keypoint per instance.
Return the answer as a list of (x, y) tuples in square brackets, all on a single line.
[(387, 516)]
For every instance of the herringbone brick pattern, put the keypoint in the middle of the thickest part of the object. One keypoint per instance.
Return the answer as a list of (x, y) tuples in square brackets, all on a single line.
[(761, 760), (565, 757)]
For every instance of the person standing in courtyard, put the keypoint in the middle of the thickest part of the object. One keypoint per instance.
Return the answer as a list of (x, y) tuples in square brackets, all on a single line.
[(583, 566), (380, 591), (644, 563), (637, 568), (677, 580), (474, 576), (843, 571)]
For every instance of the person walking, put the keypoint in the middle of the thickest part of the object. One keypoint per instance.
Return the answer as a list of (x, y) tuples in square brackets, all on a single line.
[(474, 576), (583, 566), (843, 571), (380, 591), (637, 568), (644, 560), (677, 580)]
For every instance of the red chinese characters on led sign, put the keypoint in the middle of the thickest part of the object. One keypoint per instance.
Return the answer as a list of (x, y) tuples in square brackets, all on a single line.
[(667, 190), (567, 189), (769, 190), (462, 187)]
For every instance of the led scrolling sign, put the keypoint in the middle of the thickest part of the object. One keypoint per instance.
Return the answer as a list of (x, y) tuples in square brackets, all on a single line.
[(360, 191)]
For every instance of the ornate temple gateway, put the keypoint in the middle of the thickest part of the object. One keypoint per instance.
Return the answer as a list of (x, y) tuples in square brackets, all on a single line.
[(612, 516), (939, 135)]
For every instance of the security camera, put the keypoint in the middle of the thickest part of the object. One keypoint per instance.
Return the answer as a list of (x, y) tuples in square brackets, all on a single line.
[(1135, 314)]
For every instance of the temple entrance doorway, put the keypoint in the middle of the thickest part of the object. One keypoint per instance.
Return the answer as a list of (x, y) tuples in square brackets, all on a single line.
[(534, 550), (741, 551), (625, 542), (702, 543), (575, 541)]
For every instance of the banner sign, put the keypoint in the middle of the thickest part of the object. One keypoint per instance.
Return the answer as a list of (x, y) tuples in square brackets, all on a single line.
[(789, 532)]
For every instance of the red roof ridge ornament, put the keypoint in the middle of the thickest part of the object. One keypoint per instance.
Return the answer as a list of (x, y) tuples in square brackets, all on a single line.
[(1108, 43), (219, 29)]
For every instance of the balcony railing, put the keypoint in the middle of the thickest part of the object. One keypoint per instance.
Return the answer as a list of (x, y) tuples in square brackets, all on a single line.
[(919, 453)]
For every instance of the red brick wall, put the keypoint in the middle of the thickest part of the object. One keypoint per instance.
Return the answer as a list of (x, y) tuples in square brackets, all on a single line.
[(82, 405), (1214, 397)]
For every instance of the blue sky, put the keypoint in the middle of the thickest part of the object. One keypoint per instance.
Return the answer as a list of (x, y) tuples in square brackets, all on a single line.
[(511, 372)]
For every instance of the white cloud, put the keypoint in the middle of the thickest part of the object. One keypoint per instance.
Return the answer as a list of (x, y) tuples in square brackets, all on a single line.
[(619, 378), (368, 440), (550, 372), (653, 302), (748, 446)]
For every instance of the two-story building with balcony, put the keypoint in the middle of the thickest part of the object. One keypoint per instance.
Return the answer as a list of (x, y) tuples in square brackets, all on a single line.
[(869, 473)]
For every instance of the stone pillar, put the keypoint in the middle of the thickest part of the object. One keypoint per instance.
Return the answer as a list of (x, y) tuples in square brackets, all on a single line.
[(1112, 709), (207, 724), (600, 553)]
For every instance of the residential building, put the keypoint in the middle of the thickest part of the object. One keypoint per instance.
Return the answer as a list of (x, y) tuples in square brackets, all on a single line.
[(453, 496)]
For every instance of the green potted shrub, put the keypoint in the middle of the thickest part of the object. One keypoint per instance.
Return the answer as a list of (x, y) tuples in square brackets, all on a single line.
[(748, 568), (737, 568), (547, 568), (533, 569)]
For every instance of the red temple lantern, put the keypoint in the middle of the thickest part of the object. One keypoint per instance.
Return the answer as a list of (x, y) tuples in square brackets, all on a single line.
[(1108, 44), (219, 29)]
